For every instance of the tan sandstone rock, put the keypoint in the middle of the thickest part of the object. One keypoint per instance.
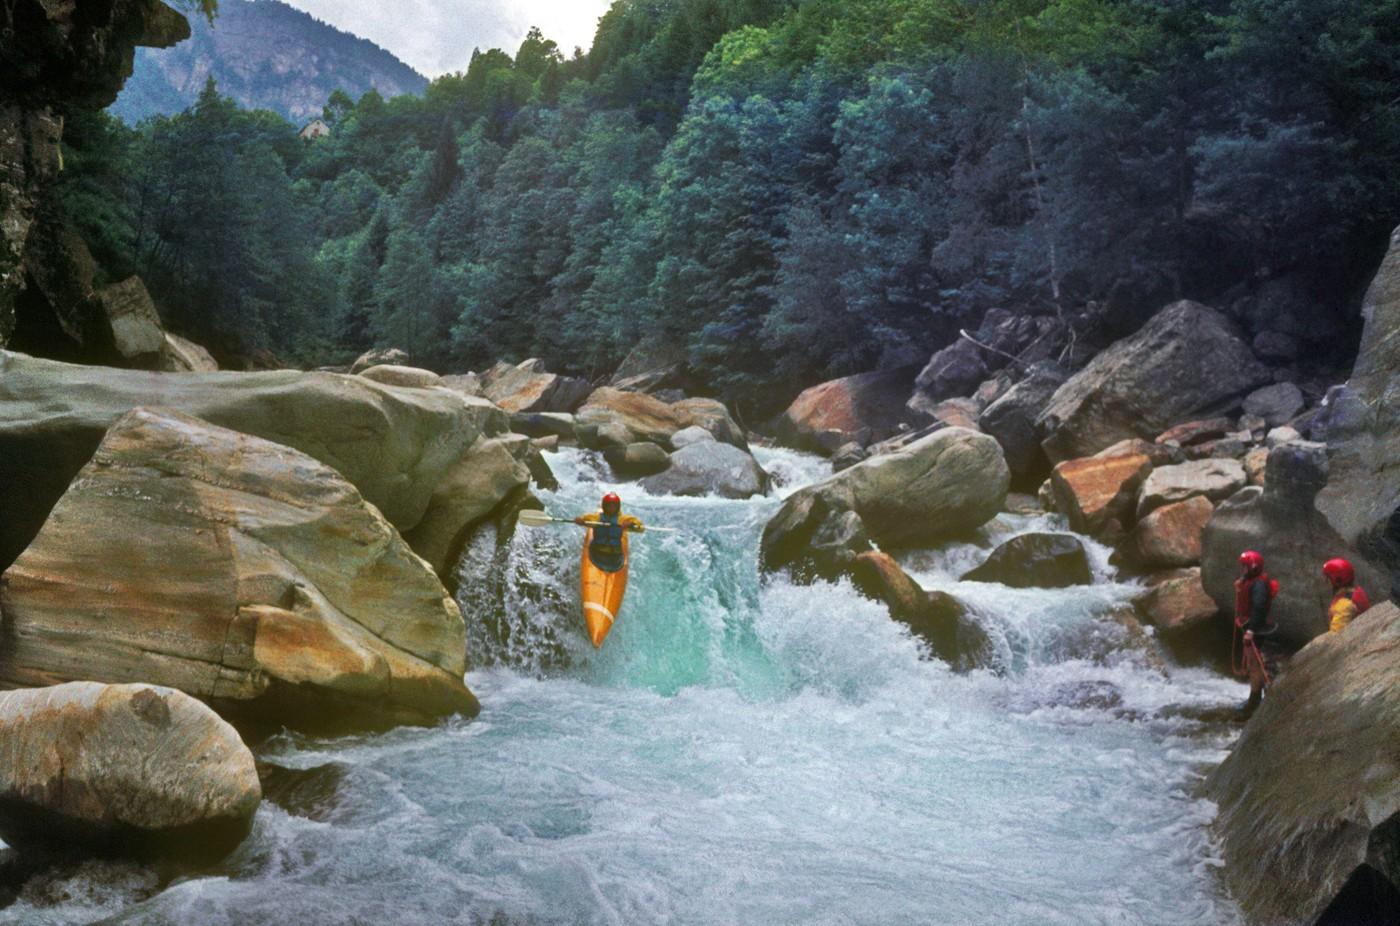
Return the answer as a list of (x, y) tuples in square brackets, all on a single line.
[(1171, 536), (134, 769), (1094, 491), (239, 571)]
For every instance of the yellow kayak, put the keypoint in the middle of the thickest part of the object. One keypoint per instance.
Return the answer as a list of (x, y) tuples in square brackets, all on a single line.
[(602, 592)]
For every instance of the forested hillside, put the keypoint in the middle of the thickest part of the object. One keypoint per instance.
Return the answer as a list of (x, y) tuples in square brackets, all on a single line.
[(266, 55), (788, 191)]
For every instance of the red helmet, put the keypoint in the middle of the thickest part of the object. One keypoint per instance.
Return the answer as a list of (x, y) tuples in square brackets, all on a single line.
[(612, 503), (1251, 562), (1339, 572)]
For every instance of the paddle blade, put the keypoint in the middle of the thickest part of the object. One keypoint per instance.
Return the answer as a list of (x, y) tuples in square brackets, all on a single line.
[(532, 518)]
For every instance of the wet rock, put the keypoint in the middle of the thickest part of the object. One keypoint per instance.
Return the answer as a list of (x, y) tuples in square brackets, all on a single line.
[(394, 445), (122, 769), (403, 377), (1036, 561), (1214, 479), (939, 487), (1276, 404), (1281, 522), (1095, 491), (1187, 362), (869, 404), (262, 583), (709, 468), (935, 618), (1308, 798), (1178, 605), (315, 793), (637, 460), (1171, 536), (387, 356), (184, 356), (484, 476), (528, 387)]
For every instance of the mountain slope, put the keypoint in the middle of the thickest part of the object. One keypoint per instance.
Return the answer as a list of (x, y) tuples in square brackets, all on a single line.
[(266, 55)]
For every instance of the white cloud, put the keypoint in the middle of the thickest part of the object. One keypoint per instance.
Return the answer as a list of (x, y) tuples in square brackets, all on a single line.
[(438, 36)]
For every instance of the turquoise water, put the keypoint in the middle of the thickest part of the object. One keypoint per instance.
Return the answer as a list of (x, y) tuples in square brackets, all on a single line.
[(741, 753)]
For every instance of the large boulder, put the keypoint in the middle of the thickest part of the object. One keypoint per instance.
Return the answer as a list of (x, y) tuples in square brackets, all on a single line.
[(867, 407), (1362, 498), (651, 365), (1036, 561), (1097, 493), (394, 445), (1277, 404), (1309, 798), (1170, 537), (631, 417), (132, 321), (485, 475), (1281, 521), (1011, 419), (182, 355), (944, 485), (239, 571), (1213, 479), (58, 55), (634, 461), (528, 387), (710, 468), (129, 769), (1178, 605), (1187, 362), (956, 370)]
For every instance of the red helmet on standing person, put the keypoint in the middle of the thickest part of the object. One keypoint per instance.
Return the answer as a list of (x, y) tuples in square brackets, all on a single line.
[(1339, 572), (1251, 563), (612, 503)]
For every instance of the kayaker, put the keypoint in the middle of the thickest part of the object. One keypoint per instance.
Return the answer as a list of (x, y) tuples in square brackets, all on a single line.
[(609, 525), (1349, 600), (1254, 597)]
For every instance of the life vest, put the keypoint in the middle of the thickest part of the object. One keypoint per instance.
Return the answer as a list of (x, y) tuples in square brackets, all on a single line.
[(1360, 599), (607, 536), (1243, 588)]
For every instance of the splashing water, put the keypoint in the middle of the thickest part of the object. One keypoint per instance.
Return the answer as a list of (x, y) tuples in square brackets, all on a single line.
[(746, 753)]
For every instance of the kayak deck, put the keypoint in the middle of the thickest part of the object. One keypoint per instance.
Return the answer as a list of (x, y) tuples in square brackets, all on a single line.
[(601, 592)]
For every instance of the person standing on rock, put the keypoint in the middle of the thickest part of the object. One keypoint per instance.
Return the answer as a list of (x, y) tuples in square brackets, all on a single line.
[(1349, 600), (1254, 596)]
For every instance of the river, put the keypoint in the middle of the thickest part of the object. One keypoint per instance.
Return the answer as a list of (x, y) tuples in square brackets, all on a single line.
[(738, 753)]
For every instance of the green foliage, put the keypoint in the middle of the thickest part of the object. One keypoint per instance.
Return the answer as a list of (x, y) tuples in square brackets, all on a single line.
[(788, 191)]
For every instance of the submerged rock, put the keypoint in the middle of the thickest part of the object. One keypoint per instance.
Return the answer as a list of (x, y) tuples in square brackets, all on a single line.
[(122, 769), (236, 570), (394, 445), (1309, 798), (1036, 561), (935, 616), (1187, 362)]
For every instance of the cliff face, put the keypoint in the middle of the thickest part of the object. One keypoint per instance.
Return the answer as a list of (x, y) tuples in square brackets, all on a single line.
[(266, 55), (55, 55)]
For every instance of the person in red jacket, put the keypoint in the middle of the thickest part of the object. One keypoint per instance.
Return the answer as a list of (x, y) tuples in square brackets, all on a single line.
[(1254, 597), (1349, 600)]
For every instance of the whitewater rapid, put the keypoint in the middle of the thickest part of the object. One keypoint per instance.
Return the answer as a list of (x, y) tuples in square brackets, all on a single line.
[(740, 752)]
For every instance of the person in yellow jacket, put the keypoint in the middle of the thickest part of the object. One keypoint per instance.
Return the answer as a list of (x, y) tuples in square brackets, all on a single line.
[(1349, 600), (605, 550)]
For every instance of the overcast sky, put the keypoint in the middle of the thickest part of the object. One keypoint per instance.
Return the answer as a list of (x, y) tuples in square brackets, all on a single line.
[(437, 36)]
